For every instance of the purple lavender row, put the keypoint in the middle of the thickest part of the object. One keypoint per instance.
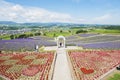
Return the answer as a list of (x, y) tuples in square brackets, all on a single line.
[(104, 45), (28, 44), (87, 35)]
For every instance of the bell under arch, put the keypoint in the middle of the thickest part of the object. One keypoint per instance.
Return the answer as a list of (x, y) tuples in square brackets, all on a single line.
[(61, 42)]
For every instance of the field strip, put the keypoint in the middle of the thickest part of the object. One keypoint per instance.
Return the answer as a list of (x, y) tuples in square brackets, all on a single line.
[(101, 42)]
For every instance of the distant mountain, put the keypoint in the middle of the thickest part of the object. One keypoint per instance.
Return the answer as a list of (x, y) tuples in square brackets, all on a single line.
[(49, 24), (7, 22), (11, 23)]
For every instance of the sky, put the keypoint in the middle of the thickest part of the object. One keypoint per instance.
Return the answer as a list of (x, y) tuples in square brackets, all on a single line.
[(65, 11)]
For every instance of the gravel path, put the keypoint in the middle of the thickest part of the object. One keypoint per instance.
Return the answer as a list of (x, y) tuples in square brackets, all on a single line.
[(62, 71)]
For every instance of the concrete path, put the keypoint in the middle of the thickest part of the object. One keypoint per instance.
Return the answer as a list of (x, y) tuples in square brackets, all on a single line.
[(62, 70), (56, 48)]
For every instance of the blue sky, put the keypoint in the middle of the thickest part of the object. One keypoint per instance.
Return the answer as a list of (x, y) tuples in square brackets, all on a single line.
[(72, 11)]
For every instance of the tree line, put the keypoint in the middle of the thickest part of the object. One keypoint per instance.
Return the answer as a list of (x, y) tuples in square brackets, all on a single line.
[(24, 35)]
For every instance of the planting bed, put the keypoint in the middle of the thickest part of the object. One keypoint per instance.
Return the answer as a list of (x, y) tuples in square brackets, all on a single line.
[(27, 66), (91, 65)]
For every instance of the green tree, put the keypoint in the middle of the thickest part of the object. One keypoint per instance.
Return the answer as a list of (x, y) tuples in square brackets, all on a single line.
[(30, 35), (69, 31), (44, 34), (61, 31), (81, 31), (16, 37), (12, 36), (37, 34), (23, 36), (54, 35)]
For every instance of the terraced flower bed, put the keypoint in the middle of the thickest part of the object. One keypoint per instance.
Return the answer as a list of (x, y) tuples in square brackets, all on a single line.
[(91, 65), (27, 66)]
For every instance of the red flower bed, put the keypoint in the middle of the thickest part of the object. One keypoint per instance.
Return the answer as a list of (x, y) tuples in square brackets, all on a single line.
[(17, 56), (90, 65), (24, 61), (4, 68), (19, 66), (1, 61), (40, 67), (87, 71), (30, 71), (12, 76)]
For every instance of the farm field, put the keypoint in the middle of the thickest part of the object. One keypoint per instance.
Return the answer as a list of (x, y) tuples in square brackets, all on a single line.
[(25, 44), (85, 40), (27, 66), (95, 41), (91, 65)]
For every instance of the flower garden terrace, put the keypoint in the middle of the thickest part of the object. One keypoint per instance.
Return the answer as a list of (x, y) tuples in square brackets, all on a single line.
[(84, 64), (93, 64), (27, 65)]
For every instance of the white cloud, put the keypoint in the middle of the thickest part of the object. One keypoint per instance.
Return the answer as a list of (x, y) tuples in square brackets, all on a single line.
[(103, 18), (19, 13)]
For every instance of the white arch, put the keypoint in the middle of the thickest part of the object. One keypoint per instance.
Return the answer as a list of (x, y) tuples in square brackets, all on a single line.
[(63, 41)]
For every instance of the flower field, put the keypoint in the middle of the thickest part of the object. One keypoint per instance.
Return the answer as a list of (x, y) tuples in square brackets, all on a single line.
[(27, 44), (102, 45), (87, 41), (95, 41), (27, 66), (91, 65), (87, 35)]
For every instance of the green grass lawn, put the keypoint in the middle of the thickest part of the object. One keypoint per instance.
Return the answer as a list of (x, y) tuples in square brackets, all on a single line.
[(115, 77), (106, 31), (6, 37), (57, 33)]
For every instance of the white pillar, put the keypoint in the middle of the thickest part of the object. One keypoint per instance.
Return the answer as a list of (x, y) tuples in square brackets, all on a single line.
[(57, 43), (64, 43)]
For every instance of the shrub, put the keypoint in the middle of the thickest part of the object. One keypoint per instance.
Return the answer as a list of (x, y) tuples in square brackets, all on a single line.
[(81, 31)]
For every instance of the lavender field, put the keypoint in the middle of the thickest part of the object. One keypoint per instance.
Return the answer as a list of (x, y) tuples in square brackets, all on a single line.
[(102, 45), (96, 41), (88, 41), (87, 35), (25, 44)]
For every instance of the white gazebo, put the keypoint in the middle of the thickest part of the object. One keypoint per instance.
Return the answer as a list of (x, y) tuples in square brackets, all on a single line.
[(61, 42)]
